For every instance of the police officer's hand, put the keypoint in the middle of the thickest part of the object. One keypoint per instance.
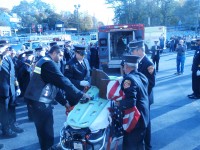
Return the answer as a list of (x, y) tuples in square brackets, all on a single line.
[(198, 73), (84, 83), (18, 92)]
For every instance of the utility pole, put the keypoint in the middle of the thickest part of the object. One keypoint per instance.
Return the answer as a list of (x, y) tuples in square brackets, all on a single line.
[(77, 17)]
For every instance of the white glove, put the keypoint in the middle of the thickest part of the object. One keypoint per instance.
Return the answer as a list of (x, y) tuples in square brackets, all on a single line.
[(198, 73), (84, 83), (18, 92)]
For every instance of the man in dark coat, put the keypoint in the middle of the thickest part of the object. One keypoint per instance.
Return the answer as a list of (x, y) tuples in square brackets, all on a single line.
[(9, 88), (196, 73), (134, 86), (146, 67), (156, 54), (78, 68)]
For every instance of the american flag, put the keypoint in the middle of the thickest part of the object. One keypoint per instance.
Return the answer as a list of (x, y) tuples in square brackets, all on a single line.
[(131, 115)]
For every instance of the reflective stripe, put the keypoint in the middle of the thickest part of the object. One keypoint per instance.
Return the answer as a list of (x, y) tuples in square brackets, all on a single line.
[(37, 70)]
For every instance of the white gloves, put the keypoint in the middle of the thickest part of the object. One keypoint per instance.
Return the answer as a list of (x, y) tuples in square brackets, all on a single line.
[(198, 73), (18, 92), (84, 83)]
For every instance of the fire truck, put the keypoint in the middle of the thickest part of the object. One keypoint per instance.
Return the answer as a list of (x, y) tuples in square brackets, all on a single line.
[(113, 42)]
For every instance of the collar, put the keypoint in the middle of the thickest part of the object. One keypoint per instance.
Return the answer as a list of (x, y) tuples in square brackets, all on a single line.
[(141, 59)]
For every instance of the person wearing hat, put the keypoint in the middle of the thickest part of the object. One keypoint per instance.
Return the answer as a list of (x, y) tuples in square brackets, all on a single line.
[(52, 44), (68, 53), (78, 68), (134, 85), (44, 87), (155, 56), (146, 67), (196, 73), (9, 89), (39, 53)]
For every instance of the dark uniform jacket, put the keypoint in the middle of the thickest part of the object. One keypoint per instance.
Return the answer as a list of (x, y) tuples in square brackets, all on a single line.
[(7, 77), (45, 78), (155, 52), (136, 95), (196, 60), (76, 73), (145, 66), (68, 54)]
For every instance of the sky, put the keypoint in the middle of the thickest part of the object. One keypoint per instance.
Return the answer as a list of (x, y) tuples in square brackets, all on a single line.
[(96, 8)]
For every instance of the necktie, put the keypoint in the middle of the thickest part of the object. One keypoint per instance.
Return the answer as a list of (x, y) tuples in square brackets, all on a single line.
[(82, 64)]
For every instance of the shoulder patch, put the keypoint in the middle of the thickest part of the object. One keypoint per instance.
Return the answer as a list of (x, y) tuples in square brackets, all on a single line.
[(127, 84), (150, 69)]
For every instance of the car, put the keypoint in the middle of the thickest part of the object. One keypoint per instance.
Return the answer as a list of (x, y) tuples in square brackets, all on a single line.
[(16, 47)]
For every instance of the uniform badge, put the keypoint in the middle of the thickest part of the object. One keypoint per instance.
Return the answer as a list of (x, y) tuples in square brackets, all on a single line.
[(67, 67), (127, 84), (150, 69)]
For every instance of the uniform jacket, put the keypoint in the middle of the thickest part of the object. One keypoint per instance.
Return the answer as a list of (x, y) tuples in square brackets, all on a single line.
[(76, 73), (196, 60), (7, 77), (144, 65), (155, 52), (136, 95)]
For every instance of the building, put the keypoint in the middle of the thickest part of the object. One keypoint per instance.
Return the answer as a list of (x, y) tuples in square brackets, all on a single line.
[(5, 31)]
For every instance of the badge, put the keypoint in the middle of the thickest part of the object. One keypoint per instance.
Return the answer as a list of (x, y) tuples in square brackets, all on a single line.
[(150, 69), (67, 67), (127, 84)]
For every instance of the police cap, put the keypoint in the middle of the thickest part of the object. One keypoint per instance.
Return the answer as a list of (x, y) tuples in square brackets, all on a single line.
[(28, 53), (136, 44), (67, 42), (131, 59), (38, 49), (3, 43), (52, 44), (80, 49)]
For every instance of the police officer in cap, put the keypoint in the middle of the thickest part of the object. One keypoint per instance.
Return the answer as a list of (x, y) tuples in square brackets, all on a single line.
[(9, 89), (146, 67), (43, 88), (39, 53), (68, 53), (196, 73), (134, 86), (78, 69)]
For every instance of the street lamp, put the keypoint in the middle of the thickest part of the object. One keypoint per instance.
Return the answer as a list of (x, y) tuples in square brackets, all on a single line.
[(77, 17)]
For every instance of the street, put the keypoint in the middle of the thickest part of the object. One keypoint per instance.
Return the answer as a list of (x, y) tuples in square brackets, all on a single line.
[(175, 118)]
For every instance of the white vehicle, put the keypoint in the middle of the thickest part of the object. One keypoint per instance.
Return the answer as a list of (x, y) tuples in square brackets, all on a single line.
[(32, 45), (153, 33)]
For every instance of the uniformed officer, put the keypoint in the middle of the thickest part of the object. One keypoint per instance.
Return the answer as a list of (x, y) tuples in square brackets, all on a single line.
[(134, 86), (39, 53), (68, 53), (155, 56), (78, 69), (196, 73), (43, 89), (146, 67), (9, 89)]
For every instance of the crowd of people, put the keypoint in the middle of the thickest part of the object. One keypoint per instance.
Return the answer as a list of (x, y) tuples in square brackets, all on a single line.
[(63, 75)]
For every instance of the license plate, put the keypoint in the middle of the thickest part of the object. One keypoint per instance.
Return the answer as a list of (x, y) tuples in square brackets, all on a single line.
[(78, 146)]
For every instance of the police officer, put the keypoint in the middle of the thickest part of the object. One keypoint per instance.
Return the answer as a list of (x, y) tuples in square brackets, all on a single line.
[(196, 73), (39, 53), (43, 89), (9, 89), (68, 53), (134, 86), (146, 67), (156, 54), (78, 69)]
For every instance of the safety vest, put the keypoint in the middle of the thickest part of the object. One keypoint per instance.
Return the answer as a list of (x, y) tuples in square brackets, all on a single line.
[(37, 89)]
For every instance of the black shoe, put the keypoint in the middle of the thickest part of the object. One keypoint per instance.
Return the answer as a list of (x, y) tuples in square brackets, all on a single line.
[(194, 97), (17, 129), (9, 134), (1, 146), (190, 95)]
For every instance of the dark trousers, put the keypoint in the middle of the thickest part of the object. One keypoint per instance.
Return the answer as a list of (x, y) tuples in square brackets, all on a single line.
[(134, 140), (196, 84), (156, 62), (43, 119), (7, 113)]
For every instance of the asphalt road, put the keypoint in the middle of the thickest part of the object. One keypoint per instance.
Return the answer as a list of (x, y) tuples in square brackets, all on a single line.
[(175, 118)]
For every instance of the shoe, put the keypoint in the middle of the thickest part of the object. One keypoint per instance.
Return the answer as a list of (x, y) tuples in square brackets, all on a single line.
[(1, 146), (17, 129), (190, 95), (9, 134), (194, 97)]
